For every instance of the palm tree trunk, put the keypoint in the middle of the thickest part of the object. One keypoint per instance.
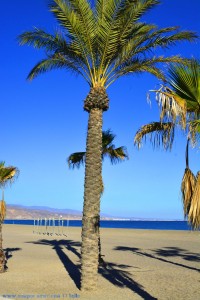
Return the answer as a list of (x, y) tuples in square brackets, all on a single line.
[(2, 254), (91, 208), (2, 216)]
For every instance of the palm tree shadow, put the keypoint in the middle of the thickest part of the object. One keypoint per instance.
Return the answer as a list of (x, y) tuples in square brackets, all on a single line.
[(178, 252), (166, 252), (72, 269), (9, 253), (114, 273), (120, 277)]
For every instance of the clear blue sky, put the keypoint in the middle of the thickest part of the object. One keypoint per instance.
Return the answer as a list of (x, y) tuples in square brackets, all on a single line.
[(43, 121)]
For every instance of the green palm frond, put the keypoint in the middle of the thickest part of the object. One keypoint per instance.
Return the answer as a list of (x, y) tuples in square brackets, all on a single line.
[(141, 65), (103, 41), (180, 102), (38, 38), (149, 38), (185, 82), (85, 21), (115, 155), (107, 138), (109, 150), (78, 20), (7, 174), (76, 159), (55, 61), (60, 54), (158, 133)]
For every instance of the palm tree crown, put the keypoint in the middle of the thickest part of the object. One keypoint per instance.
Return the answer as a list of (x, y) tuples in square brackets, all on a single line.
[(7, 175), (179, 101), (103, 42), (180, 105)]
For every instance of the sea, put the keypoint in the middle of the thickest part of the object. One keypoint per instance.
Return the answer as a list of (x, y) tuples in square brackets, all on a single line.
[(124, 224)]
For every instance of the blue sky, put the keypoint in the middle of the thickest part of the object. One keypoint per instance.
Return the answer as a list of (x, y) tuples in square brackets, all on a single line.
[(43, 121)]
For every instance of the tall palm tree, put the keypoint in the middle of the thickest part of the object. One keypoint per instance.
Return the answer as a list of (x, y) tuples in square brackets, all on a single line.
[(101, 41), (115, 155), (7, 175), (179, 100)]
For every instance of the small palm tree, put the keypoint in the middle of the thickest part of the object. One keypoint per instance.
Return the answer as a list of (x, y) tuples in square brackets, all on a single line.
[(7, 175), (100, 41), (108, 150), (115, 155), (179, 100)]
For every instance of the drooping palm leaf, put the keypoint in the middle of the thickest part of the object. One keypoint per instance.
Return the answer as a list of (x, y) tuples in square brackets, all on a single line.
[(2, 211), (194, 211), (180, 101), (7, 174), (76, 159), (188, 184), (115, 155), (109, 150), (159, 134), (194, 129), (187, 189)]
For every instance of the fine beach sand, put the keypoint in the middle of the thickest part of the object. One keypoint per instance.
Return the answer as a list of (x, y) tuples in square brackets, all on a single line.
[(141, 264)]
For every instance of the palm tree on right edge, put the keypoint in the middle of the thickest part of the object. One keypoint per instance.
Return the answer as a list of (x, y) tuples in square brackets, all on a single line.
[(179, 99), (116, 155)]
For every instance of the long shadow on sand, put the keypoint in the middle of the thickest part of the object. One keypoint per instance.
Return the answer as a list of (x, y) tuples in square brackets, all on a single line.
[(119, 276), (115, 273), (178, 252), (58, 245), (166, 252)]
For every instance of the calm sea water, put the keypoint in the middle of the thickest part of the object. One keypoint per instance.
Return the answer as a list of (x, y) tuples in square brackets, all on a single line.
[(158, 225)]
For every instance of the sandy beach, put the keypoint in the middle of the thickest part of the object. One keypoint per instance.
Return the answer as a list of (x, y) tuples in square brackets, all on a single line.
[(141, 264)]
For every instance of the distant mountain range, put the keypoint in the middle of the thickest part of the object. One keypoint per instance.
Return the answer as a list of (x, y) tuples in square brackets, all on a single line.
[(22, 212), (33, 212)]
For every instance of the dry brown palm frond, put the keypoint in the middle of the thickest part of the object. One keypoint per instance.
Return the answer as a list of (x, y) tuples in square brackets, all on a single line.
[(187, 189), (172, 106), (194, 211), (2, 210), (194, 129), (159, 134), (188, 183)]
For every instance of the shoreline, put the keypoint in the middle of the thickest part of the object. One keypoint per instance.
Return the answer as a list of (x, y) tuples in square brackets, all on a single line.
[(53, 224), (141, 264)]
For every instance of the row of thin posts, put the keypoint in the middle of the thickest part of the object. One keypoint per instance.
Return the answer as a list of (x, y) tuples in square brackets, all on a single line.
[(50, 226)]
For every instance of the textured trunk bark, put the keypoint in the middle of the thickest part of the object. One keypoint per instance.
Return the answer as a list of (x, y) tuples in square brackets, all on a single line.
[(91, 208), (2, 254)]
